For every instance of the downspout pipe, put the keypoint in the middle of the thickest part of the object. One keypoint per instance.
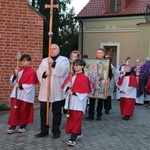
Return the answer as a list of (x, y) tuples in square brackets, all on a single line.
[(81, 27)]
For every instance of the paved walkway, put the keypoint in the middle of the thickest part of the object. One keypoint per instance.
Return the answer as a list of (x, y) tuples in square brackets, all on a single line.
[(111, 133)]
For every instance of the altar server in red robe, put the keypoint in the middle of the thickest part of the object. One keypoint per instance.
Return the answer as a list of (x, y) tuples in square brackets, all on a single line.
[(22, 103), (77, 90), (127, 86)]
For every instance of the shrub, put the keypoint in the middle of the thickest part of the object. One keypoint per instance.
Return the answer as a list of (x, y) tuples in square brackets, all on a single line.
[(4, 107)]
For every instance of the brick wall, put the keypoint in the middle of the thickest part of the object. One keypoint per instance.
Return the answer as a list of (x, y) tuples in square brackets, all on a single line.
[(21, 29)]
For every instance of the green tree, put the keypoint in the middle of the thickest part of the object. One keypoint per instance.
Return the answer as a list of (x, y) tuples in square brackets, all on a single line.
[(67, 32), (65, 28)]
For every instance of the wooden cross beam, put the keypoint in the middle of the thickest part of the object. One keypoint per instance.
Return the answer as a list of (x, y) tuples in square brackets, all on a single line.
[(51, 6), (50, 34)]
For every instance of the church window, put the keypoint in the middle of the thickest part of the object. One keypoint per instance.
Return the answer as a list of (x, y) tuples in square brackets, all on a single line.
[(115, 6)]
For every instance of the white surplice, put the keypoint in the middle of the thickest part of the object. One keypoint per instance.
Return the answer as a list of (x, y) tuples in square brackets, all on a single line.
[(58, 75), (129, 91), (28, 92), (78, 101), (120, 73)]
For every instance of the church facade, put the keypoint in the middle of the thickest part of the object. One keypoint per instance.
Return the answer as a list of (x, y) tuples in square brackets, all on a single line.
[(121, 27)]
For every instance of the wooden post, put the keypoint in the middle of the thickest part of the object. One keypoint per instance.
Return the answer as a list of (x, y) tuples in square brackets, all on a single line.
[(71, 73), (18, 56), (50, 34)]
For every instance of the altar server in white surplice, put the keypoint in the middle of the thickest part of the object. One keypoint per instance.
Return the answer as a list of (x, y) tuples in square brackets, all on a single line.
[(120, 73), (76, 100), (22, 96), (58, 72)]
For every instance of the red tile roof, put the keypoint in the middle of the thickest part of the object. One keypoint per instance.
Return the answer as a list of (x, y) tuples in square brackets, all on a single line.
[(136, 7), (97, 8)]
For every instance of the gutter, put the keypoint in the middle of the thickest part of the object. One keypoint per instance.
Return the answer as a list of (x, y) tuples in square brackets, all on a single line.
[(108, 16)]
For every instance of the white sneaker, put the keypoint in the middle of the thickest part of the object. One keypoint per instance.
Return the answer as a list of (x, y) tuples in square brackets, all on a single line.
[(79, 136), (10, 131), (21, 130), (71, 143)]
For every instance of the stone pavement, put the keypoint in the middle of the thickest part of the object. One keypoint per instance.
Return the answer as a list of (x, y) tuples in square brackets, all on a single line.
[(111, 133)]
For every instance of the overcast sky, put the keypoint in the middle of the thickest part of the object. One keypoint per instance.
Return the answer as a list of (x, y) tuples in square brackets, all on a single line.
[(78, 4)]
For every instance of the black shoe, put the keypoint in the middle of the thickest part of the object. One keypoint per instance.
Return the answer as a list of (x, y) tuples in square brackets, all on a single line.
[(138, 104), (98, 118), (56, 136), (148, 106), (126, 118), (39, 135), (71, 142), (107, 111), (89, 118)]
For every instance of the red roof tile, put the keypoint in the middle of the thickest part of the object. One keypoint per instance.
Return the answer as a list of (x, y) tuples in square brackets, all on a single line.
[(93, 8), (97, 8), (136, 7)]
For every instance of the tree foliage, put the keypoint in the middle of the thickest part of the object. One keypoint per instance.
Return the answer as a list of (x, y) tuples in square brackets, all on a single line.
[(65, 28)]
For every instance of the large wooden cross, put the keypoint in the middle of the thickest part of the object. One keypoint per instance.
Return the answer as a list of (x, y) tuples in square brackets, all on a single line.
[(50, 34), (51, 6)]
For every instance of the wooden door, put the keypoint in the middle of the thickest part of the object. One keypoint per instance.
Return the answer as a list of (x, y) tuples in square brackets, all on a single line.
[(112, 52)]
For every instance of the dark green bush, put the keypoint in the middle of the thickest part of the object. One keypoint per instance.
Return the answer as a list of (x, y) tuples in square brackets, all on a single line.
[(4, 107)]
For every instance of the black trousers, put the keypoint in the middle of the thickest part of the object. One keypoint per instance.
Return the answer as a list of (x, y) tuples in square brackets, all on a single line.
[(92, 107), (106, 103), (73, 136), (57, 114)]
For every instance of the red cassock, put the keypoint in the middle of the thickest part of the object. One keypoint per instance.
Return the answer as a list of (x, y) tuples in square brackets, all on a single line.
[(29, 76), (24, 114), (132, 81), (127, 103), (127, 106), (81, 85)]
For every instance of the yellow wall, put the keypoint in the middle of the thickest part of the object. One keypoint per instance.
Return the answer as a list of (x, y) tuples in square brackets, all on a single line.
[(128, 43), (124, 31), (144, 40)]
